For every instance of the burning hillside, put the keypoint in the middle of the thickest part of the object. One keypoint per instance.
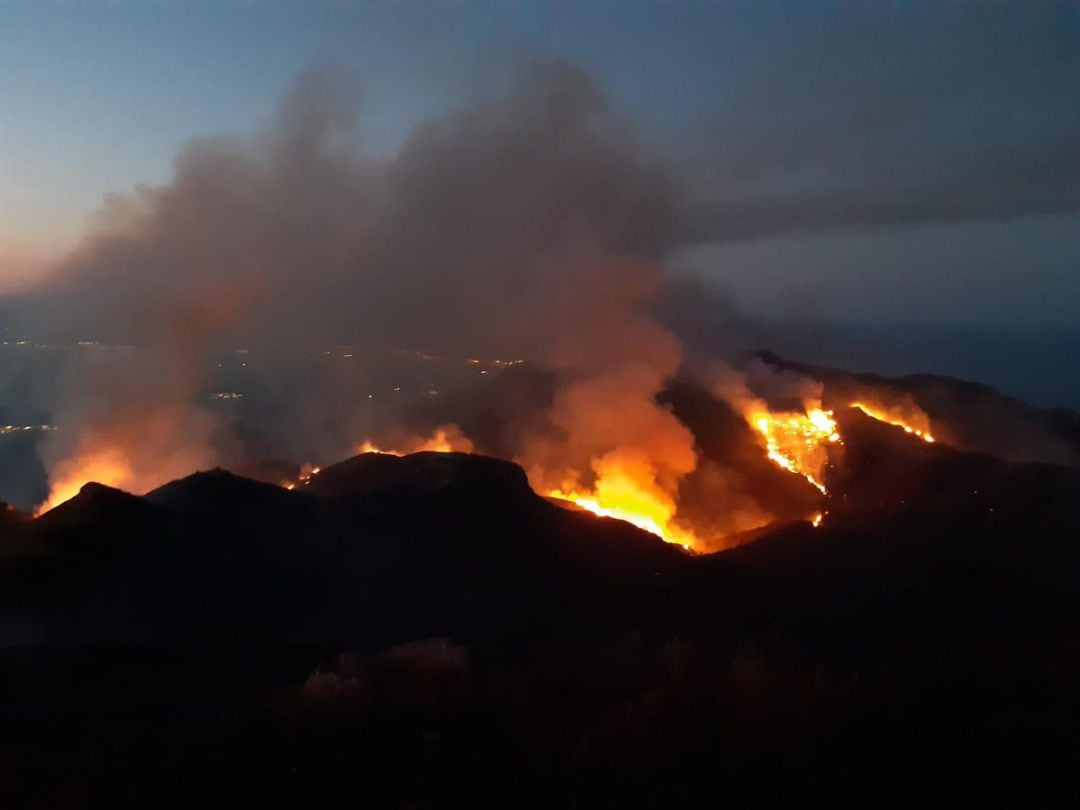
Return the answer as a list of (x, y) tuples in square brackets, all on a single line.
[(910, 420), (797, 442), (410, 440), (444, 439), (108, 466), (625, 488), (531, 225), (215, 583), (649, 485)]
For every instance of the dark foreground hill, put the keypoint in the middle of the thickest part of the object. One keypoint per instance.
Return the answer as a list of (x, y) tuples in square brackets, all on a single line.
[(427, 632)]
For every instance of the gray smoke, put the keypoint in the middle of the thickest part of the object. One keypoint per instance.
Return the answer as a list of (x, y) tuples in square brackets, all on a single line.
[(472, 237), (528, 224)]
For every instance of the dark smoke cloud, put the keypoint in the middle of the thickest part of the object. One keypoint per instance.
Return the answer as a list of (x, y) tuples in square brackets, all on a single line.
[(893, 115)]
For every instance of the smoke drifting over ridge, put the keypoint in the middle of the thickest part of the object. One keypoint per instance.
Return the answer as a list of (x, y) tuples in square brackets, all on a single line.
[(475, 235), (527, 225)]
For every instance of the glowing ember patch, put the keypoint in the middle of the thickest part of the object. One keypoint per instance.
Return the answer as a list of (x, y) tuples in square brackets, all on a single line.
[(109, 467), (910, 420), (815, 521), (797, 442)]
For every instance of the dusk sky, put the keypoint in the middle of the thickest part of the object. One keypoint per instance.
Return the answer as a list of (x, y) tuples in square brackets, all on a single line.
[(859, 163)]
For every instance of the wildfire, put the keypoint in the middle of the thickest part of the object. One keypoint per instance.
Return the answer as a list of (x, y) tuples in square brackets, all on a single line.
[(108, 466), (445, 439), (307, 472), (797, 442), (911, 419), (626, 489)]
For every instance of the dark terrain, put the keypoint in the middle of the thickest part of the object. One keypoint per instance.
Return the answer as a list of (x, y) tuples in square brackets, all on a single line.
[(427, 632)]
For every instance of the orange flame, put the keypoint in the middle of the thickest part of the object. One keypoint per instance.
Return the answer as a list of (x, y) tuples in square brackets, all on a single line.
[(626, 489), (911, 419), (307, 472), (108, 466), (797, 442), (445, 439)]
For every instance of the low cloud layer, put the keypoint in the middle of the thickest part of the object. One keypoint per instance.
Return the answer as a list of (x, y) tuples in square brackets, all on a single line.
[(893, 115)]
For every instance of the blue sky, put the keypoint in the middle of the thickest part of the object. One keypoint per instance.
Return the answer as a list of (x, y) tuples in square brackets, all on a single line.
[(854, 162), (100, 96)]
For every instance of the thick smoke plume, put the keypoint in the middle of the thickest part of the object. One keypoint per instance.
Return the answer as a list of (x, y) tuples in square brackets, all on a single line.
[(524, 225)]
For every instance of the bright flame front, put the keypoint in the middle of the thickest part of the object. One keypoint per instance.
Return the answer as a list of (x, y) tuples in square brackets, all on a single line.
[(798, 442), (626, 488), (911, 420), (108, 466), (445, 439)]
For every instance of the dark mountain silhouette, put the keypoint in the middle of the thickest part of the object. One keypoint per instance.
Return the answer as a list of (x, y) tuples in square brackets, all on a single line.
[(223, 496), (380, 550), (967, 415), (374, 550), (919, 647)]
